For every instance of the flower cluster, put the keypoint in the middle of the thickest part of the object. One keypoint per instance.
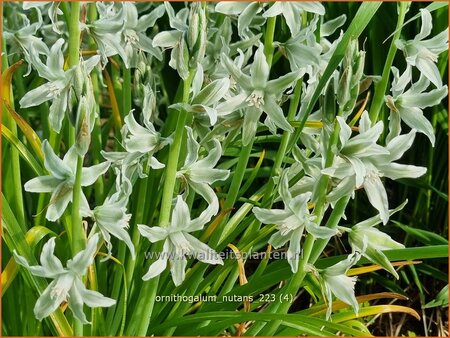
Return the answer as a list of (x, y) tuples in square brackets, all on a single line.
[(229, 94)]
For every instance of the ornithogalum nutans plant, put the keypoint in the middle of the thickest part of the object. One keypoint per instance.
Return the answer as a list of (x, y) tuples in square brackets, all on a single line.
[(230, 168)]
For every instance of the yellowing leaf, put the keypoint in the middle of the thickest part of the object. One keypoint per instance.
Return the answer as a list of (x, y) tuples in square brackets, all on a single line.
[(213, 225), (360, 111), (374, 310), (112, 96), (321, 309), (6, 80), (29, 133), (371, 268)]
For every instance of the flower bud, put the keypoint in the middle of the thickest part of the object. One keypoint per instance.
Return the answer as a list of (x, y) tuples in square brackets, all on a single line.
[(194, 28), (83, 127), (79, 80)]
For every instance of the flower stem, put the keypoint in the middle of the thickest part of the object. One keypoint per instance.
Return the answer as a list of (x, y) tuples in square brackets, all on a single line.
[(147, 296), (284, 141), (297, 279), (172, 163), (77, 228), (74, 34), (268, 39), (238, 176), (380, 87)]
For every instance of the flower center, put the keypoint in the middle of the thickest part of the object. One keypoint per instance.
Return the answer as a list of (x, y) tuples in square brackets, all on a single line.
[(255, 99), (372, 175), (131, 37), (184, 247), (427, 54), (390, 103), (58, 292), (285, 228), (53, 90)]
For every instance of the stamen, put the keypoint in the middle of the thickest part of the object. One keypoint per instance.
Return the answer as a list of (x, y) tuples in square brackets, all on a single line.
[(255, 99)]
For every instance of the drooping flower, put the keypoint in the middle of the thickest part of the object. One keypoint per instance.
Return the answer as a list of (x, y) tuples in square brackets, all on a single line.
[(371, 242), (361, 162), (178, 243), (67, 284), (20, 39), (140, 143), (60, 88), (422, 53), (247, 13), (260, 93), (204, 100), (291, 11), (112, 219), (119, 30), (199, 174), (407, 105), (291, 222), (61, 180), (52, 11), (334, 281)]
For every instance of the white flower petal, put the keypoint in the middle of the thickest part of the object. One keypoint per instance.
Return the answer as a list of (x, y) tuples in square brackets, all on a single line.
[(293, 252), (47, 303), (427, 25), (396, 171), (76, 304), (153, 234), (277, 240), (91, 174), (81, 261), (274, 111), (59, 201), (180, 214), (230, 7), (92, 298), (259, 70), (203, 252), (343, 287), (177, 268), (159, 265), (376, 193), (277, 8), (271, 216), (48, 259), (53, 163), (430, 70), (42, 184), (414, 118), (400, 144)]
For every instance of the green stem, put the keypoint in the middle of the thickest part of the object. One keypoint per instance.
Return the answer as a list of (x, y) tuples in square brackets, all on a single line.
[(335, 217), (77, 227), (146, 302), (268, 39), (96, 132), (74, 34), (380, 88), (284, 141), (15, 161), (138, 219), (233, 192), (297, 279), (172, 163)]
